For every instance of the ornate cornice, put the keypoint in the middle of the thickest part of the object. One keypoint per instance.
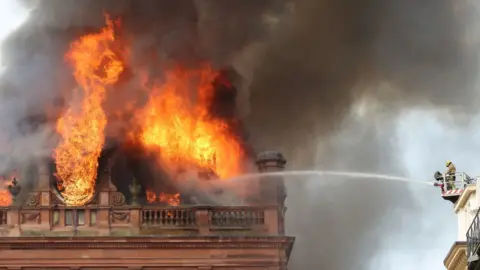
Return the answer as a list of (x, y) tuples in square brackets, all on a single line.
[(457, 256), (213, 242)]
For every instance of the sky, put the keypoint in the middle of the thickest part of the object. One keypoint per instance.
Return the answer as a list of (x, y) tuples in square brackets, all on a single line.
[(11, 16), (426, 143)]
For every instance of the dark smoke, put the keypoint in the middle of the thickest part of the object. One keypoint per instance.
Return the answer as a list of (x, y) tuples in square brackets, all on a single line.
[(306, 64), (330, 55)]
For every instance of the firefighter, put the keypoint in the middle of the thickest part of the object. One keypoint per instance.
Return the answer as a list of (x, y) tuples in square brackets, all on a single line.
[(438, 176), (450, 175)]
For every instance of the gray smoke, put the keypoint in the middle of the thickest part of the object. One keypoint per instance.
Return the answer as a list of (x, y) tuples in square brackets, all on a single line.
[(331, 53), (306, 64), (329, 56), (37, 81)]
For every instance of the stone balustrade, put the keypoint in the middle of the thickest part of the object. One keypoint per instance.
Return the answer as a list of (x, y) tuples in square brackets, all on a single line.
[(95, 220), (178, 217)]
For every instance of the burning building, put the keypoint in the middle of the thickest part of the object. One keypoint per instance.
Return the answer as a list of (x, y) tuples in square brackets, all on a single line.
[(157, 191)]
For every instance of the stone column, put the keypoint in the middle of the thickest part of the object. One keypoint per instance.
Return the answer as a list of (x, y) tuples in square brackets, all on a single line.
[(43, 178), (272, 188), (43, 190), (201, 216), (135, 219), (13, 220), (105, 188)]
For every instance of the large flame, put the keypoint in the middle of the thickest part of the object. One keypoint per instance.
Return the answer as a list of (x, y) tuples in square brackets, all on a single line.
[(82, 129), (181, 128), (5, 198), (5, 195)]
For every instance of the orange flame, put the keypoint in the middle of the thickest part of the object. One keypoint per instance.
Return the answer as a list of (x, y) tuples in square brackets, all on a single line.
[(82, 130), (151, 196), (170, 199), (5, 196), (183, 131)]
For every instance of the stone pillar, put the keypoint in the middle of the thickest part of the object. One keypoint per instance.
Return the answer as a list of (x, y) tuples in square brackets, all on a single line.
[(104, 201), (201, 216), (271, 221), (13, 220), (135, 219), (271, 161), (103, 213), (43, 190), (43, 178), (272, 188)]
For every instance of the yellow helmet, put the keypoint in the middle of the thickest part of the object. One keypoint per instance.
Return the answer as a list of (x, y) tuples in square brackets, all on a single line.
[(448, 163)]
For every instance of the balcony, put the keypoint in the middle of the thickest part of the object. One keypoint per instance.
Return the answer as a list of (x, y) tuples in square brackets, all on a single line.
[(112, 237), (473, 237), (96, 220)]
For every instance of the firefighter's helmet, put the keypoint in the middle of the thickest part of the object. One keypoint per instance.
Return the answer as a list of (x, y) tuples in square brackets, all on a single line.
[(448, 163)]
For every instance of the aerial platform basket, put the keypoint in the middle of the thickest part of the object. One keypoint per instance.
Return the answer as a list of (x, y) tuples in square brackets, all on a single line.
[(461, 180)]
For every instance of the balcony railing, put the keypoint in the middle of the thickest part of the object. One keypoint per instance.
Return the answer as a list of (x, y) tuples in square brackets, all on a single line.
[(236, 217), (172, 217), (211, 220), (145, 220), (473, 236)]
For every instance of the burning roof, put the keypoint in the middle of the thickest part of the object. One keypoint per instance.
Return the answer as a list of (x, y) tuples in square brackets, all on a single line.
[(179, 123)]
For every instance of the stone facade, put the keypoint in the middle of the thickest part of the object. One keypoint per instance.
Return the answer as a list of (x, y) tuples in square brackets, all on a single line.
[(209, 252), (40, 232)]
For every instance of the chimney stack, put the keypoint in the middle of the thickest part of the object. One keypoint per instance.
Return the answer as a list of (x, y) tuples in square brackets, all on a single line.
[(270, 161), (272, 188)]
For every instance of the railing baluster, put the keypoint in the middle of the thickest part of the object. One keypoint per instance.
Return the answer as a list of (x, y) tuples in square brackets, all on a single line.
[(218, 217), (236, 217), (178, 217)]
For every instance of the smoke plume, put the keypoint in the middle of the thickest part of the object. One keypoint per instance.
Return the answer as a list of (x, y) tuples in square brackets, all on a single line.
[(306, 65), (328, 93)]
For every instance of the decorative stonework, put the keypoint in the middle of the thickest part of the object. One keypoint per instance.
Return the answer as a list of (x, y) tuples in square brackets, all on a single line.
[(148, 243), (55, 200), (134, 236), (120, 217), (30, 217), (45, 198), (33, 199), (177, 217), (135, 253), (117, 199)]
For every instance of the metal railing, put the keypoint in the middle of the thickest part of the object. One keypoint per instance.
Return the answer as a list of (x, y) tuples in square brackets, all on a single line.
[(473, 236), (460, 180)]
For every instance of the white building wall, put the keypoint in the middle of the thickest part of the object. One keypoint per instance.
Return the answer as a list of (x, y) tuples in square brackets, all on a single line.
[(466, 208), (462, 224), (477, 187)]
